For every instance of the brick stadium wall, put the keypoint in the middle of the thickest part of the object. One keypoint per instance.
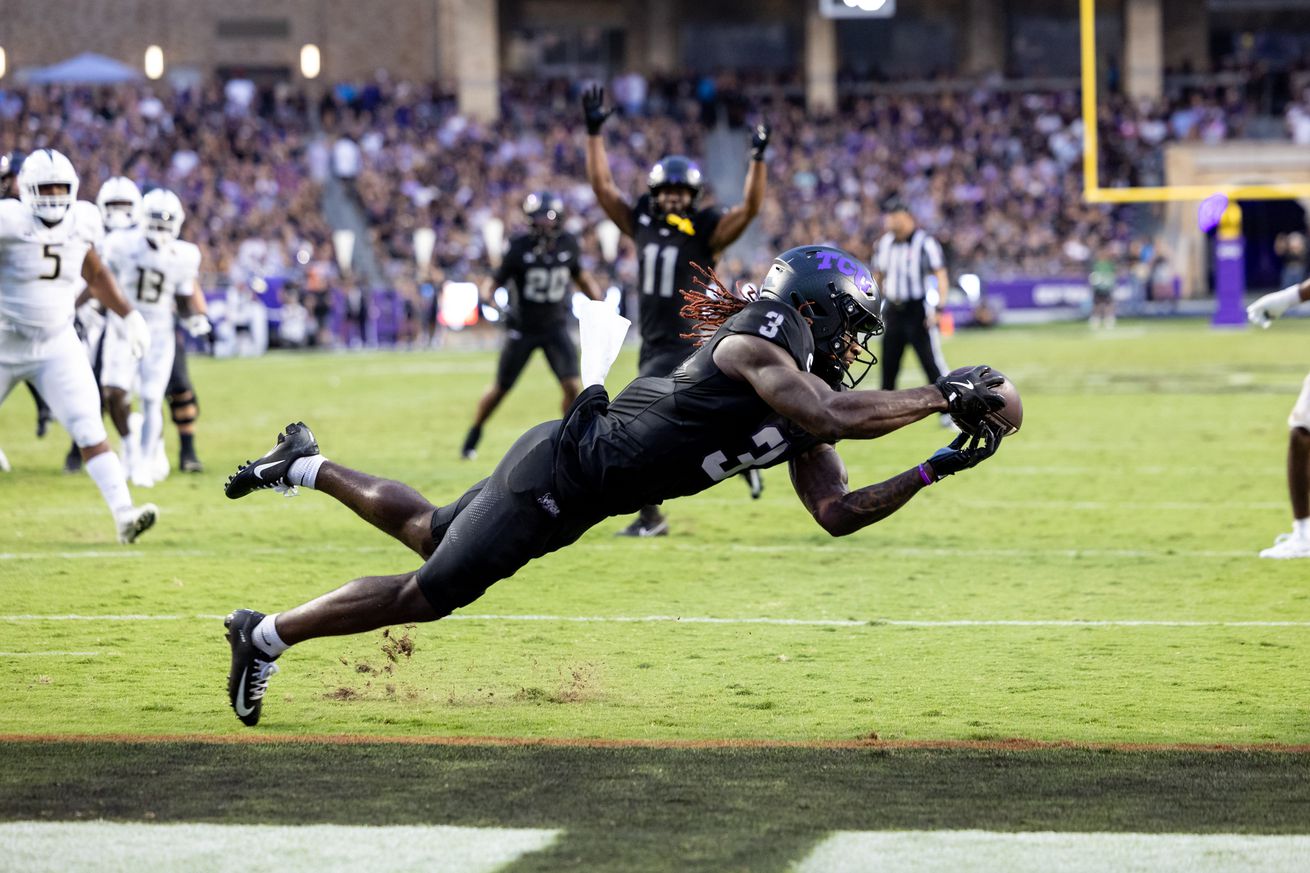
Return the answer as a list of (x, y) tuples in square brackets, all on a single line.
[(355, 37)]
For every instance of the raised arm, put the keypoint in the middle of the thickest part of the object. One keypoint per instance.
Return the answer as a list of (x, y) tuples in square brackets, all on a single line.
[(611, 200), (735, 221)]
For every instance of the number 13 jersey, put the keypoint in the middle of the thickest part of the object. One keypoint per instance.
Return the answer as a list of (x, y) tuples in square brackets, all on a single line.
[(151, 277), (668, 437)]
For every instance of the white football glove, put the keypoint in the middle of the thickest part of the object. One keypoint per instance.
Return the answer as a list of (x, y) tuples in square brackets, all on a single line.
[(1273, 305), (197, 325), (134, 329)]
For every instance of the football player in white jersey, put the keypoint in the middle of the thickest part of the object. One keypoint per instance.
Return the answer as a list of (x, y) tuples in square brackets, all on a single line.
[(1297, 543), (47, 250), (153, 267), (119, 202)]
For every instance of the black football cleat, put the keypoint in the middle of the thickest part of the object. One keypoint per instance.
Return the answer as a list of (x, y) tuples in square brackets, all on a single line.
[(248, 679), (73, 460), (755, 481), (190, 464), (270, 471), (471, 440), (641, 527)]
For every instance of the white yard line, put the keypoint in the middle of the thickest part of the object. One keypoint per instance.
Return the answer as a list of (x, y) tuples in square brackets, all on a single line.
[(949, 851), (68, 847)]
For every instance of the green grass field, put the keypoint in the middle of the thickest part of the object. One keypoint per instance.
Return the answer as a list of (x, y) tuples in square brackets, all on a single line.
[(1095, 583)]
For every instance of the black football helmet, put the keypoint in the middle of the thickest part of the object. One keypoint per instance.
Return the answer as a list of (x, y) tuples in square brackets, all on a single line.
[(10, 164), (676, 171), (837, 295), (545, 210)]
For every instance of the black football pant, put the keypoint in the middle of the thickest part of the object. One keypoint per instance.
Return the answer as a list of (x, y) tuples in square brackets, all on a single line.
[(906, 326)]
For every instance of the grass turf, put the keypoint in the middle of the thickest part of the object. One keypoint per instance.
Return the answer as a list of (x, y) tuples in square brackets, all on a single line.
[(656, 809), (1148, 474)]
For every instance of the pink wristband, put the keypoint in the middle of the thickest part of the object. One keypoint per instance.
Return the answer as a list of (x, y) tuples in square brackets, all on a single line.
[(923, 474)]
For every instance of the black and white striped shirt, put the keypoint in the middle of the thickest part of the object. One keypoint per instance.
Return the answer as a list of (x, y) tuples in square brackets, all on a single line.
[(904, 264)]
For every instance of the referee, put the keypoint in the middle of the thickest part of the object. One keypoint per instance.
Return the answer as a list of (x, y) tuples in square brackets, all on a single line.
[(902, 260)]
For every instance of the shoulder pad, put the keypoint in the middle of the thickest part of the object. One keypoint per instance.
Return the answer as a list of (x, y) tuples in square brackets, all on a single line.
[(188, 255), (778, 323)]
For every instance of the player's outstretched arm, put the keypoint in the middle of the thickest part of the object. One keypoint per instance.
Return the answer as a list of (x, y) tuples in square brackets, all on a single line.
[(808, 401), (820, 480), (735, 221), (611, 200), (1271, 306)]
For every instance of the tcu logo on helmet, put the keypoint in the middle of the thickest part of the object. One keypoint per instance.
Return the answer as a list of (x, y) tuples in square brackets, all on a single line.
[(847, 267)]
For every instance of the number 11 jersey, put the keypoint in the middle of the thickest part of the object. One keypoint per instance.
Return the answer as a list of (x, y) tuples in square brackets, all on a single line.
[(667, 246)]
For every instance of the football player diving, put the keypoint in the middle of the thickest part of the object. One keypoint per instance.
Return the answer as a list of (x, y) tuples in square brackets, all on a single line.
[(537, 271), (671, 235), (770, 382)]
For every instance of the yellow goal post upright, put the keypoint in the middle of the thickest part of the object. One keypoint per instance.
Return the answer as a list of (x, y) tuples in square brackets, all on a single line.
[(1094, 193), (1240, 170)]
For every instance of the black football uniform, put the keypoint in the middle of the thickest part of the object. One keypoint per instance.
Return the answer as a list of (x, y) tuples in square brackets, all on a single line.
[(537, 271), (667, 246), (661, 437)]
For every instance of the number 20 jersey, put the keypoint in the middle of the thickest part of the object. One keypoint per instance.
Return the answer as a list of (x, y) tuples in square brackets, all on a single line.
[(666, 437), (41, 267), (151, 277), (537, 271)]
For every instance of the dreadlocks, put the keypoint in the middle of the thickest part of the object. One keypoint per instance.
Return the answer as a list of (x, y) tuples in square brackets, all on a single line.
[(710, 302)]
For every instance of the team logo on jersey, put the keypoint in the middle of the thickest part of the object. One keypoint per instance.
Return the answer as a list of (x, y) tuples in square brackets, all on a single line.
[(682, 223), (547, 502)]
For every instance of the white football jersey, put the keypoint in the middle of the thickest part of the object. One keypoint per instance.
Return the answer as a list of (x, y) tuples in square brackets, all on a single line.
[(41, 267), (151, 277)]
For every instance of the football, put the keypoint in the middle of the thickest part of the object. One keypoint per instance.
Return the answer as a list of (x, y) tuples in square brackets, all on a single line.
[(1009, 416)]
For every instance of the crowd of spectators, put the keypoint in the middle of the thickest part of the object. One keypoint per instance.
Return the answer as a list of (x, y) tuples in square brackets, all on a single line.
[(995, 173), (239, 158)]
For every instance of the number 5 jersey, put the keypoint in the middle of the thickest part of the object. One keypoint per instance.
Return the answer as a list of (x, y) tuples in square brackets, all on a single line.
[(41, 267)]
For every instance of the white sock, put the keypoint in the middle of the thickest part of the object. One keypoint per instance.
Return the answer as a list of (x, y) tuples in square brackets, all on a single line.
[(265, 637), (304, 471), (107, 471), (1301, 528)]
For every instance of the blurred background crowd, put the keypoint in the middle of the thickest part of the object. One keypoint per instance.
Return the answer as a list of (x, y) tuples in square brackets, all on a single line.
[(994, 172)]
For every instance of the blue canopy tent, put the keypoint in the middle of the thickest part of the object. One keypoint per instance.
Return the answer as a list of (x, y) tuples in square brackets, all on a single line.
[(85, 69)]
